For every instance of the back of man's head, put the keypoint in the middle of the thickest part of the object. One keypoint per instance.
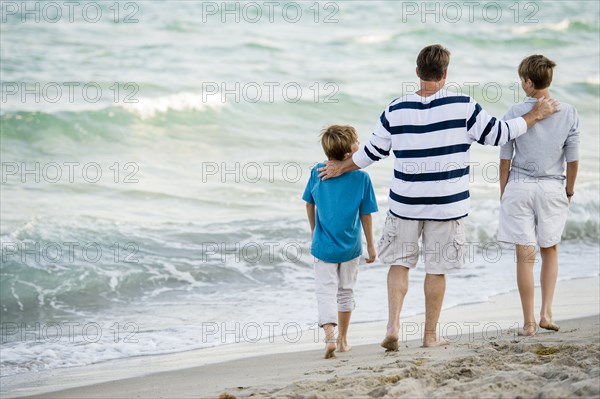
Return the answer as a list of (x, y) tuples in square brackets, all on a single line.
[(432, 62)]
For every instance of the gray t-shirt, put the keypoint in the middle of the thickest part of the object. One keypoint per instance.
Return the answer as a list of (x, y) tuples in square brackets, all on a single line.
[(543, 150)]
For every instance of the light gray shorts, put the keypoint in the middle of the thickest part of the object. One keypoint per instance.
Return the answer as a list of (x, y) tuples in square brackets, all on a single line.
[(442, 244), (334, 286), (533, 212)]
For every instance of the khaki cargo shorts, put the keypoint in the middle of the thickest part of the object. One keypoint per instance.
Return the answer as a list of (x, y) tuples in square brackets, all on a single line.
[(443, 244)]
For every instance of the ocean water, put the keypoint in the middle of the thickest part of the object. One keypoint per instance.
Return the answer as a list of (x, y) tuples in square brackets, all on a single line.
[(154, 155)]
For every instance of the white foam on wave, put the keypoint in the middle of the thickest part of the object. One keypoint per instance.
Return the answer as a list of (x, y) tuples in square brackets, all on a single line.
[(145, 107), (26, 228), (557, 27), (151, 106), (593, 80), (373, 39)]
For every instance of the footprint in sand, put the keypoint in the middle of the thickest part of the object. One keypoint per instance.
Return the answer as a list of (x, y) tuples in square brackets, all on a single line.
[(324, 371)]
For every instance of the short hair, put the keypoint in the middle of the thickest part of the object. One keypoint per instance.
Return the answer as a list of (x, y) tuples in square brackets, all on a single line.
[(337, 141), (537, 68), (432, 62)]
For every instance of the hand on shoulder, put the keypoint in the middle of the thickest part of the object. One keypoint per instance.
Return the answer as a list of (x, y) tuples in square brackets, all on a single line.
[(546, 107), (331, 169)]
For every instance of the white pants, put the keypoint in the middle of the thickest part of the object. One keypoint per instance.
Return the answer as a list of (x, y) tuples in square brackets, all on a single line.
[(334, 285)]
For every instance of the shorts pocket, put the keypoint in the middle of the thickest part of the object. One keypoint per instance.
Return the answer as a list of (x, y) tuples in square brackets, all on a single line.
[(460, 239), (456, 252), (387, 242), (389, 229), (556, 203)]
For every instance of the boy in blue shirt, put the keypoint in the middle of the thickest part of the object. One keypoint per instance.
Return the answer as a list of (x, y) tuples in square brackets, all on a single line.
[(342, 205)]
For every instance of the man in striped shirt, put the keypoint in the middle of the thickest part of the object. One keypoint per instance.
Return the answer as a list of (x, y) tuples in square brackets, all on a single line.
[(430, 134)]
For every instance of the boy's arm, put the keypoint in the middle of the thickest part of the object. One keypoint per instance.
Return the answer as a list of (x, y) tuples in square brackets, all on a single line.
[(504, 173), (367, 225), (572, 168), (572, 154), (506, 155), (310, 212)]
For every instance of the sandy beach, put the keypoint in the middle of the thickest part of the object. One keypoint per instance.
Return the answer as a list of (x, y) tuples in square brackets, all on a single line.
[(154, 234), (486, 358)]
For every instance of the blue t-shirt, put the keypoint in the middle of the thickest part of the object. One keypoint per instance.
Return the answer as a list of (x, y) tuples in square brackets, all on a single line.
[(340, 202)]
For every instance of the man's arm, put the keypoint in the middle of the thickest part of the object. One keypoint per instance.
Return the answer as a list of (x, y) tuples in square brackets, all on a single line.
[(541, 110), (337, 168), (367, 225), (487, 130), (572, 168), (504, 173), (310, 212), (376, 149)]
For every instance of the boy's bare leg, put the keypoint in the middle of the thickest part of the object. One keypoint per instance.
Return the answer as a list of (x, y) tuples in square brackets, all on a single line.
[(548, 281), (525, 260), (329, 341), (343, 323), (397, 285), (435, 288)]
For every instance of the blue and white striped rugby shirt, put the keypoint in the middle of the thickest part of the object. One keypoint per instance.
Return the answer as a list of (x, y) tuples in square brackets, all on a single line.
[(431, 138)]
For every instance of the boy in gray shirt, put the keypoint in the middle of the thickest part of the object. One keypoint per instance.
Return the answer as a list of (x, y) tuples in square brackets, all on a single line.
[(533, 194)]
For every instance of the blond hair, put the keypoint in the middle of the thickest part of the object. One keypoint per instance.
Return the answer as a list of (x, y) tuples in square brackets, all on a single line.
[(337, 141)]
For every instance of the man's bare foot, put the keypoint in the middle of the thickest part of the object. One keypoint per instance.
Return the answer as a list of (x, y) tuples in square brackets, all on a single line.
[(330, 350), (390, 343), (434, 343), (342, 345), (528, 330), (549, 325)]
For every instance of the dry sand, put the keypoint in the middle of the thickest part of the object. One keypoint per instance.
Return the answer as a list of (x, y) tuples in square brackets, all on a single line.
[(562, 365)]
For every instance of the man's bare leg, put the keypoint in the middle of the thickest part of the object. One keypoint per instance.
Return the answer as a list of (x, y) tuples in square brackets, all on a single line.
[(329, 340), (525, 261), (435, 288), (343, 323), (548, 281), (397, 286)]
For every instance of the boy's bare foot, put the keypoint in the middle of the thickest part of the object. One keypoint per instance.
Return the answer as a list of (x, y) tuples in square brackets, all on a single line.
[(525, 333), (431, 340), (528, 330), (342, 345), (549, 325), (330, 350), (390, 343), (434, 343)]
